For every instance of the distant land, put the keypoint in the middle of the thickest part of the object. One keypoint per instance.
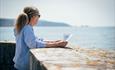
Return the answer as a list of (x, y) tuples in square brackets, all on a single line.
[(4, 22)]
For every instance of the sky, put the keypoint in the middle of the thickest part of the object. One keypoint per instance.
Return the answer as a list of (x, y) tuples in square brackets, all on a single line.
[(73, 12)]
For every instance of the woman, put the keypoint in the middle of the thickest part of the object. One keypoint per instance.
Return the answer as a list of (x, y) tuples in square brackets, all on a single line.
[(25, 38)]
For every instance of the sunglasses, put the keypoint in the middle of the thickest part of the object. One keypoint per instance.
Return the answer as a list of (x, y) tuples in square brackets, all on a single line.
[(38, 15)]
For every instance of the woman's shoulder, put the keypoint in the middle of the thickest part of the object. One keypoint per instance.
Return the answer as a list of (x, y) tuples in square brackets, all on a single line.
[(27, 27)]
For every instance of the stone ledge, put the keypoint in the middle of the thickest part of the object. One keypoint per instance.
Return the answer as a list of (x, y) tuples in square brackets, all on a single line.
[(66, 59)]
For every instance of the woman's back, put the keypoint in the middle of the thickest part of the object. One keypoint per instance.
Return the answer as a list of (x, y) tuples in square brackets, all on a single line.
[(21, 58)]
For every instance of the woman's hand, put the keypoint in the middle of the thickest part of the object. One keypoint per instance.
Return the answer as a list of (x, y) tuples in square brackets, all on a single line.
[(56, 44), (61, 43)]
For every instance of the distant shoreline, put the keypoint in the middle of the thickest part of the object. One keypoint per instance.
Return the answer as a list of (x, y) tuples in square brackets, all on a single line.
[(11, 22)]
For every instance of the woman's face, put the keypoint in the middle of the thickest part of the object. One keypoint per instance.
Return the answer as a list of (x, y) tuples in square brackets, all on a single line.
[(34, 20)]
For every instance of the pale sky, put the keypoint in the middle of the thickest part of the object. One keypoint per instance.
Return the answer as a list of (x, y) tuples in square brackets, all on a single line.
[(73, 12)]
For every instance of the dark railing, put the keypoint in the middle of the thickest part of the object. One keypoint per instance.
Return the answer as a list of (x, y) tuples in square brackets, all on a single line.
[(7, 51)]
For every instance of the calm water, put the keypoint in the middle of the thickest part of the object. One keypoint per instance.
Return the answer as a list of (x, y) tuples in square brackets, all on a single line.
[(98, 37)]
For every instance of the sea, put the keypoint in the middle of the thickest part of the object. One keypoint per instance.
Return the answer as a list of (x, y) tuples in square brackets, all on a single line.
[(86, 37)]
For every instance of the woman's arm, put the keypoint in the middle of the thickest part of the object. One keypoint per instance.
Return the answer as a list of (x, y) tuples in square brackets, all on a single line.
[(33, 42), (30, 39)]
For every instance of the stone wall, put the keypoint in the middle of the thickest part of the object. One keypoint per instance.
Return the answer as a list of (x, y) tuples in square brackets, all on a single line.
[(71, 59), (7, 51)]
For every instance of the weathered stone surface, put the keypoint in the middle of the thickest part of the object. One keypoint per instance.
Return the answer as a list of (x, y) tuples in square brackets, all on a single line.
[(69, 59)]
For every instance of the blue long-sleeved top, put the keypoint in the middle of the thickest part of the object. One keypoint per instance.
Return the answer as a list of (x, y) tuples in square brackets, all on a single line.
[(24, 41)]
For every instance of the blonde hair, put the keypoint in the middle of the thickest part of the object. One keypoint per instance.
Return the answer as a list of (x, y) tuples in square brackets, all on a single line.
[(21, 21)]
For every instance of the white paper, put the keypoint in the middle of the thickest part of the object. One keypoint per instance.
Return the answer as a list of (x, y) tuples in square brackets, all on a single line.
[(69, 37)]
